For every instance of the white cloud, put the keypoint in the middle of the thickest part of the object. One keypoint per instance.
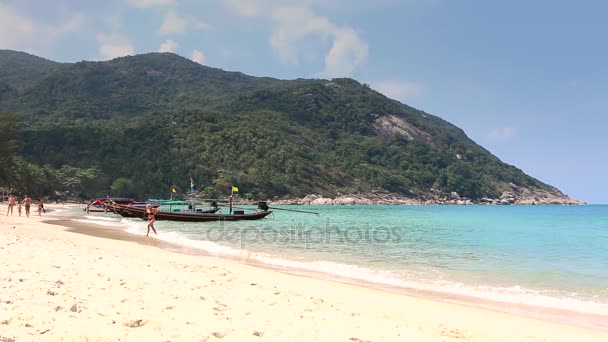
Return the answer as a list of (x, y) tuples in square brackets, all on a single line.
[(255, 8), (198, 57), (503, 133), (245, 8), (14, 27), (113, 45), (347, 52), (398, 90), (294, 24), (173, 23), (168, 46), (19, 32), (152, 3), (73, 24)]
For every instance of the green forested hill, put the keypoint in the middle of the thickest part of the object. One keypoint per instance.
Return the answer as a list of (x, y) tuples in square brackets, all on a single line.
[(147, 123), (19, 70)]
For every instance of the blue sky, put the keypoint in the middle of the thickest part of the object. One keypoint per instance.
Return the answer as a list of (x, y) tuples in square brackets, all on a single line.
[(528, 80)]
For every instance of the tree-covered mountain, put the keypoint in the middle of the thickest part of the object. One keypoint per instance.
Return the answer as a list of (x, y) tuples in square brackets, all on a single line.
[(147, 123)]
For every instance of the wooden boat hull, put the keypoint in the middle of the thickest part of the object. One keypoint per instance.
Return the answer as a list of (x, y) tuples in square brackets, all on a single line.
[(193, 216), (124, 213), (96, 210), (102, 205)]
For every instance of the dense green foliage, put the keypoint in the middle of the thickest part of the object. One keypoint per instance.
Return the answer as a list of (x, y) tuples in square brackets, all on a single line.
[(142, 125), (19, 71), (18, 175)]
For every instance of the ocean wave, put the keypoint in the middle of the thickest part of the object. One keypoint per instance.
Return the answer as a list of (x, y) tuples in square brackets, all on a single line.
[(139, 228), (426, 279), (509, 294), (106, 223), (407, 279)]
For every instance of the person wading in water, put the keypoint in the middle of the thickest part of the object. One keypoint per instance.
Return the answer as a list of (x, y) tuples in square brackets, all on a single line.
[(151, 212)]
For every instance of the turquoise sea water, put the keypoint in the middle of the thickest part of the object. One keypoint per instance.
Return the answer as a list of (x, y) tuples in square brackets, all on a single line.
[(545, 256)]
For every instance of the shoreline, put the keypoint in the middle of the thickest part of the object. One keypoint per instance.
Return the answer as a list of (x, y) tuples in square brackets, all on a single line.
[(517, 196), (329, 301), (436, 198), (524, 310)]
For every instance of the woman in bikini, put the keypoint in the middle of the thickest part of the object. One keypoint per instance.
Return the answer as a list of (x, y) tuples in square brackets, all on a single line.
[(151, 212), (11, 204), (27, 202), (40, 205)]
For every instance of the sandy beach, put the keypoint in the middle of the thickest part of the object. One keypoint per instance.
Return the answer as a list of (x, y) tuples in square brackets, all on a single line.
[(62, 286)]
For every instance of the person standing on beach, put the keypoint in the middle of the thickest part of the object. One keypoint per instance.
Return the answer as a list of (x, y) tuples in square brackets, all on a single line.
[(19, 208), (11, 204), (151, 218), (27, 202), (40, 205)]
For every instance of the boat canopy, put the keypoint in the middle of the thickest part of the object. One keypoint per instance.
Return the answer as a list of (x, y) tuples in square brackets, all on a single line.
[(165, 202)]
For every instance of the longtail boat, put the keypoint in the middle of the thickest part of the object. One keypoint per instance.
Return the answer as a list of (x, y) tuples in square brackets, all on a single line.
[(99, 205), (237, 215), (139, 209)]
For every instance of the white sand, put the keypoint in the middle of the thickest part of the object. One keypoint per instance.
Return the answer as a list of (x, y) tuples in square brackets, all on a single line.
[(62, 286)]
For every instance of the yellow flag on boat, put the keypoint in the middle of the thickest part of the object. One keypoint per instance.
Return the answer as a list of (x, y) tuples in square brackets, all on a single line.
[(173, 190), (235, 189)]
